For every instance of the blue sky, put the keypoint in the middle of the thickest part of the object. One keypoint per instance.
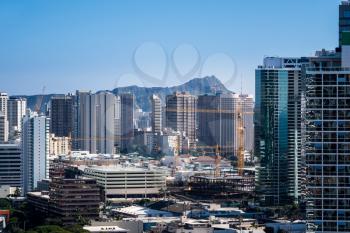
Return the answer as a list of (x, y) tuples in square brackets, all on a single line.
[(92, 45)]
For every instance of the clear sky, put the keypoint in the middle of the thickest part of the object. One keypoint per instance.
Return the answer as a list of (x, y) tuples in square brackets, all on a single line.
[(92, 45)]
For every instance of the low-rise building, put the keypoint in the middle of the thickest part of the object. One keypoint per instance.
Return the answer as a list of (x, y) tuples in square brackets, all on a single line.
[(185, 226), (70, 200), (10, 165), (140, 211), (130, 226), (39, 201), (211, 225), (127, 182), (7, 190), (286, 226), (105, 229), (59, 145), (74, 198)]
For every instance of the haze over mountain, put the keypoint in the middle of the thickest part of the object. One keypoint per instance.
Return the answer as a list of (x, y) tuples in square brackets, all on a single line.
[(196, 86)]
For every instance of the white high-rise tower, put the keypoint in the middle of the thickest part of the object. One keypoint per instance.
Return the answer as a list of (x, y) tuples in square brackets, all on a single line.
[(35, 150)]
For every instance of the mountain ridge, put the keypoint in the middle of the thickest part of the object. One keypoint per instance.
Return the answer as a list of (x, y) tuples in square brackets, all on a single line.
[(195, 86)]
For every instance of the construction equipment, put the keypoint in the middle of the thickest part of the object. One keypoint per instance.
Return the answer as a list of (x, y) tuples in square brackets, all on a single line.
[(217, 172), (240, 137), (176, 156)]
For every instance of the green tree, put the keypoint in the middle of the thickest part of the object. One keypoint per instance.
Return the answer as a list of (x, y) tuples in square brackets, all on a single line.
[(76, 229), (50, 229), (82, 221), (144, 202), (268, 230), (17, 192), (53, 221), (5, 204)]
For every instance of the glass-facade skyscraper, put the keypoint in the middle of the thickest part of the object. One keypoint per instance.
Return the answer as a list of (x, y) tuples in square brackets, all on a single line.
[(216, 123), (277, 122), (61, 115), (344, 18)]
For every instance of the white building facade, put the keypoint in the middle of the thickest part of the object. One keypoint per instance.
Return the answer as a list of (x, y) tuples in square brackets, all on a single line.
[(35, 150), (16, 111), (127, 182), (4, 125)]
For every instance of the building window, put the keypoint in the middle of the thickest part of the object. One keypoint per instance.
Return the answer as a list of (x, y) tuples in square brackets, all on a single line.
[(347, 14)]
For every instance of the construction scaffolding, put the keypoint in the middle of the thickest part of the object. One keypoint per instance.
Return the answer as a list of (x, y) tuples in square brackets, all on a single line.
[(221, 187)]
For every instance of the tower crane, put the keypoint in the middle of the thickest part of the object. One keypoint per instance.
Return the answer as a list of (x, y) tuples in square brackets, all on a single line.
[(240, 137), (217, 161)]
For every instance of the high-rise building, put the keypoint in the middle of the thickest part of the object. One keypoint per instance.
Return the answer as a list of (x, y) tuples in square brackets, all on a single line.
[(95, 122), (105, 122), (80, 119), (247, 108), (216, 123), (117, 124), (10, 165), (16, 111), (145, 139), (181, 115), (344, 18), (142, 120), (327, 133), (278, 129), (4, 125), (61, 116), (163, 116), (3, 128), (3, 102), (156, 121), (126, 120), (35, 150), (327, 145)]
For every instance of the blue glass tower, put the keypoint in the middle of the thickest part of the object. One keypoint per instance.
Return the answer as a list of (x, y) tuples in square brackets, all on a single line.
[(278, 130)]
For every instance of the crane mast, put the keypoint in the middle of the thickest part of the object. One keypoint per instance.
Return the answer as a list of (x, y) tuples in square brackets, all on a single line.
[(240, 137), (217, 161)]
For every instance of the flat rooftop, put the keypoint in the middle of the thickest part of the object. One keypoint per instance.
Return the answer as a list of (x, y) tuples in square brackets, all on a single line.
[(39, 194), (141, 211), (104, 229), (118, 169)]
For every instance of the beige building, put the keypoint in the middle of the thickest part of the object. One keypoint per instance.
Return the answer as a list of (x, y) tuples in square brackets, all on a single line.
[(60, 145), (127, 182), (181, 115)]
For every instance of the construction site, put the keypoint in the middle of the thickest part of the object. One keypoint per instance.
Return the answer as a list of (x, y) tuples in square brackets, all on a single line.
[(222, 184)]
